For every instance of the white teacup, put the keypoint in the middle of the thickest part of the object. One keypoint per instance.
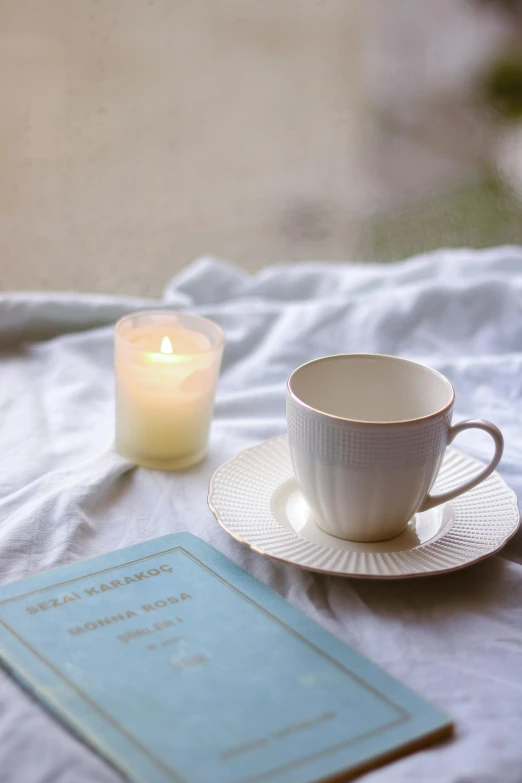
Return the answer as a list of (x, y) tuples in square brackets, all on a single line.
[(367, 435)]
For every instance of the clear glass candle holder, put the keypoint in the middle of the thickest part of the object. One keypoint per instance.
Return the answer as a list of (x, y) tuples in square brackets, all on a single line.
[(166, 369)]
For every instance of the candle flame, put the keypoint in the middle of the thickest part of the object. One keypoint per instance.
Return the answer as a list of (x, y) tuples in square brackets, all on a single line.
[(166, 345)]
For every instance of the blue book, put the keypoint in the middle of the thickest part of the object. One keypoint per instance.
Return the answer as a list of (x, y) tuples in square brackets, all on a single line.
[(179, 667)]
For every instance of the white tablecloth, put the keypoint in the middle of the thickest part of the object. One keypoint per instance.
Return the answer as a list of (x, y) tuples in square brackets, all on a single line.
[(65, 494)]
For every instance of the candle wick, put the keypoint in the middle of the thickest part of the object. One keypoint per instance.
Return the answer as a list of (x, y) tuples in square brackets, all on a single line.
[(166, 345)]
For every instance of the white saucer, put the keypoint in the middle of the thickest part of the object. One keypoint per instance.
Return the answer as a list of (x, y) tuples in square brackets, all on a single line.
[(255, 498)]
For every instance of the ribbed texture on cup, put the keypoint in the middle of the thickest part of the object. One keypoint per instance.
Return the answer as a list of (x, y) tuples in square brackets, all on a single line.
[(358, 445)]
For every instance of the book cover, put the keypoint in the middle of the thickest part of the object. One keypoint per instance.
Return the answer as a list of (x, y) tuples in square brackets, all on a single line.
[(178, 666)]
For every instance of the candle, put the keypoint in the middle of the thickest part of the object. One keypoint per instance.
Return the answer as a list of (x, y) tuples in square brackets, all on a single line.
[(166, 369)]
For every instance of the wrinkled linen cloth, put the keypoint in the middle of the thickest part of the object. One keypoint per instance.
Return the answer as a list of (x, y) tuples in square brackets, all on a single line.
[(65, 494)]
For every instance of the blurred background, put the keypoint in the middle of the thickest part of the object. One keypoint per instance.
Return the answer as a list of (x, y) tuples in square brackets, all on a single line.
[(136, 135)]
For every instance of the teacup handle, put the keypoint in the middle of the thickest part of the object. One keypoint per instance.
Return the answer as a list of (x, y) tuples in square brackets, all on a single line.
[(435, 500)]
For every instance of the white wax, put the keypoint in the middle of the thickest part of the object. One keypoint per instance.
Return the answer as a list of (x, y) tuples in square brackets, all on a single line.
[(165, 398)]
